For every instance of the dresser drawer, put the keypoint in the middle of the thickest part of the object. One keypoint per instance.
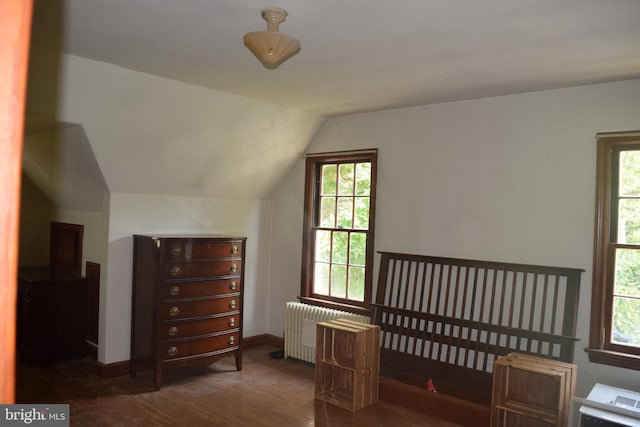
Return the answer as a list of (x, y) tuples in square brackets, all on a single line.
[(177, 270), (181, 250), (175, 330), (199, 308), (199, 289), (174, 350)]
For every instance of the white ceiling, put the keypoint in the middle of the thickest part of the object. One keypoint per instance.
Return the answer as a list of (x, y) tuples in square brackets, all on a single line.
[(358, 55)]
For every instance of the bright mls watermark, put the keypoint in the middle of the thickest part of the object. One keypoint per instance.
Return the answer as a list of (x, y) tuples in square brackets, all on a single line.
[(34, 415)]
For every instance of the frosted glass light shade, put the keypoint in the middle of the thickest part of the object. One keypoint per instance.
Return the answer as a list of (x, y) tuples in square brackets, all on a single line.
[(271, 47)]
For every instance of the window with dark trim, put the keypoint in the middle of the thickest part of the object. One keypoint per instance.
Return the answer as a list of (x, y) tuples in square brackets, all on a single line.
[(338, 235), (614, 337)]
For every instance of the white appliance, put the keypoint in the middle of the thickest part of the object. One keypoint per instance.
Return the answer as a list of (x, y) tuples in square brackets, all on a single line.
[(610, 406)]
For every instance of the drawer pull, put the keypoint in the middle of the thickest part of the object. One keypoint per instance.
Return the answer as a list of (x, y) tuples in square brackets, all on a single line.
[(232, 322), (176, 250), (234, 249), (176, 270), (232, 340), (174, 290), (174, 311), (232, 304), (173, 331), (233, 286), (172, 351), (234, 268)]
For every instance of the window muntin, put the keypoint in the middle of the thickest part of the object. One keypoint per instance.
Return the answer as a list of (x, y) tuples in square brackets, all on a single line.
[(339, 218), (615, 314)]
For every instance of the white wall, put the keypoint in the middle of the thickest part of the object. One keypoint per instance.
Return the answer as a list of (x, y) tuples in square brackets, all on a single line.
[(509, 178), (143, 213)]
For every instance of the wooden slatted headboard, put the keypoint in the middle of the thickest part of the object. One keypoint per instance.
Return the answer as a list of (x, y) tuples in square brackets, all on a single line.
[(448, 319)]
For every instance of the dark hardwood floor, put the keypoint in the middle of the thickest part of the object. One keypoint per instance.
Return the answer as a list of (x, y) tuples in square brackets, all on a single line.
[(267, 392)]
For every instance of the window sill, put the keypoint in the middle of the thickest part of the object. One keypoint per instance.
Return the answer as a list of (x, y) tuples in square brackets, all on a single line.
[(612, 358), (336, 305)]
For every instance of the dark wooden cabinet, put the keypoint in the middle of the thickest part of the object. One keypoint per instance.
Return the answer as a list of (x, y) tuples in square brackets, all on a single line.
[(52, 314), (187, 301)]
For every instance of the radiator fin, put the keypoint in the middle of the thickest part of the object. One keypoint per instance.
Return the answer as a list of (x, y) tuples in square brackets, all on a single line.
[(297, 331)]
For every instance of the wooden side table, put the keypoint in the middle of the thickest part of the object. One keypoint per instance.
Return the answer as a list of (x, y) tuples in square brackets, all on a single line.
[(347, 363)]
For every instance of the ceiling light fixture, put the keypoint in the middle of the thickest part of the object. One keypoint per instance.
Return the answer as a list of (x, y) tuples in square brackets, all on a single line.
[(271, 47)]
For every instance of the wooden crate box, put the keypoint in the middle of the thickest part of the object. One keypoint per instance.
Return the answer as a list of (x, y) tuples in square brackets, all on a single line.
[(531, 391), (347, 363)]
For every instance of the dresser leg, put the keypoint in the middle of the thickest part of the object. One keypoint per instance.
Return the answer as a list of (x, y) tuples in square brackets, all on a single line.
[(132, 369), (238, 361), (158, 380)]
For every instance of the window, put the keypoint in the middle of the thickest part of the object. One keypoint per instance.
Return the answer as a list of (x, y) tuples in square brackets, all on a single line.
[(615, 306), (339, 207)]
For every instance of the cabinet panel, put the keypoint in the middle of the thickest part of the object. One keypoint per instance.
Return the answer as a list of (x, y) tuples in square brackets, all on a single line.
[(52, 314)]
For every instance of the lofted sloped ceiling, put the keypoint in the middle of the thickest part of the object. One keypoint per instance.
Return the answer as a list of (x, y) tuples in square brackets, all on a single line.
[(357, 56)]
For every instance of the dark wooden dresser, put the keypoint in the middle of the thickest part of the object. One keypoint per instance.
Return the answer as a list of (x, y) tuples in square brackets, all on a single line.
[(52, 319), (187, 301)]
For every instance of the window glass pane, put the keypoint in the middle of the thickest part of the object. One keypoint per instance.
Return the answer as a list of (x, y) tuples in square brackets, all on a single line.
[(327, 212), (328, 186), (336, 225), (626, 321), (627, 272), (361, 219), (629, 221), (323, 245), (363, 179), (356, 283), (630, 173), (340, 247), (339, 281), (345, 179), (321, 278), (345, 212), (358, 249)]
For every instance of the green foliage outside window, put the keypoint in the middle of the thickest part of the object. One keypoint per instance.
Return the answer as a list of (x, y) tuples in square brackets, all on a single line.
[(340, 248), (626, 301)]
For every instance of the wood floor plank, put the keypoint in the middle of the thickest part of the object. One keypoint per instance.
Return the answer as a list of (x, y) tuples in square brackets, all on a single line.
[(267, 392)]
